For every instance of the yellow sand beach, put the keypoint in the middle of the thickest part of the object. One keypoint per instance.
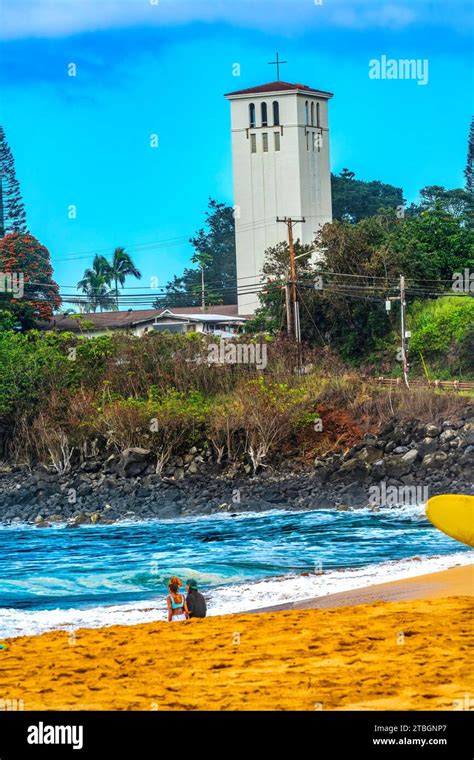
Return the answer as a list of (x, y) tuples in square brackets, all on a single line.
[(411, 653)]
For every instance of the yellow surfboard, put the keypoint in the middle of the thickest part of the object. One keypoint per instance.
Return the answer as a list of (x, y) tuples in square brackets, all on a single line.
[(454, 515)]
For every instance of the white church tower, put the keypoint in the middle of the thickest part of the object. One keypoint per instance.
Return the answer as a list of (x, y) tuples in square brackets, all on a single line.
[(280, 151)]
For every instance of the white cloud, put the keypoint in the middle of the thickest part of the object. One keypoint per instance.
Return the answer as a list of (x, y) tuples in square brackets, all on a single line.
[(360, 15), (61, 18)]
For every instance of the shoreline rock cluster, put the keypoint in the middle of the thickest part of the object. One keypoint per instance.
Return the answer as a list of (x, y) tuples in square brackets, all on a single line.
[(402, 458)]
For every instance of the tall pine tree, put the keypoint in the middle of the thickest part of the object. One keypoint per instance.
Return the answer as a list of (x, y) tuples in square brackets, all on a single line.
[(469, 170), (12, 210)]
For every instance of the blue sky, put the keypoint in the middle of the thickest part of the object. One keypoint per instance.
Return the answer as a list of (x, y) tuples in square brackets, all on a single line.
[(146, 68)]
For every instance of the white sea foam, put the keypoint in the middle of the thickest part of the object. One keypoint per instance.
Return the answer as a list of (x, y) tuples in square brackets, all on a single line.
[(227, 599), (415, 511)]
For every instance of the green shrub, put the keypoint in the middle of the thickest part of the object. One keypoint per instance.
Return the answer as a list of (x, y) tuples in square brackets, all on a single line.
[(32, 365), (443, 333), (164, 423)]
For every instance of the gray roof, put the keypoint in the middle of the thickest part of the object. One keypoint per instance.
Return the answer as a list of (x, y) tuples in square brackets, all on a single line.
[(123, 320)]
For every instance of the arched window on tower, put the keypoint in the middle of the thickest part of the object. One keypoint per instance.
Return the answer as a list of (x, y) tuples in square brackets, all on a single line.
[(312, 114), (318, 123), (264, 112), (306, 113), (252, 115), (276, 113)]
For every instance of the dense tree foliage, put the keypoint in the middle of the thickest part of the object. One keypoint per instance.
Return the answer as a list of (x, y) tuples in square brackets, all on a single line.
[(214, 247), (359, 265), (353, 199), (458, 203)]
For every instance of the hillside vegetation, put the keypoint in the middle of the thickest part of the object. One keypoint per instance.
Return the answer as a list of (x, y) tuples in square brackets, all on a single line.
[(62, 398)]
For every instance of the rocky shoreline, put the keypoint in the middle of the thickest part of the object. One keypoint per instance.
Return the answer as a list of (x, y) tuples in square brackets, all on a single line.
[(404, 463)]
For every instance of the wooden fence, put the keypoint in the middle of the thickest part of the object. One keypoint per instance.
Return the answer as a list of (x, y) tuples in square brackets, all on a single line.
[(453, 385)]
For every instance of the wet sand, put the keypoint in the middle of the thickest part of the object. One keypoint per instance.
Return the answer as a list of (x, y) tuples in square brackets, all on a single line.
[(456, 581), (410, 652)]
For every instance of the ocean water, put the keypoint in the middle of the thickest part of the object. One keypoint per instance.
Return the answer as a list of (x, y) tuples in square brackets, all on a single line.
[(117, 574)]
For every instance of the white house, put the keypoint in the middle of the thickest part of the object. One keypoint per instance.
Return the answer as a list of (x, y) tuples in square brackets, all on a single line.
[(209, 324), (280, 151), (217, 320)]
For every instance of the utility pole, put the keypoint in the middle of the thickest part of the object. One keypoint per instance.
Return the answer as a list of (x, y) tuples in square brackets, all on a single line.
[(203, 292), (403, 331), (202, 258), (288, 308), (292, 305), (403, 305)]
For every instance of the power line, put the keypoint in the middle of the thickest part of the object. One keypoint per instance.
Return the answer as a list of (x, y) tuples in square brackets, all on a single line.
[(311, 318), (167, 242), (140, 300)]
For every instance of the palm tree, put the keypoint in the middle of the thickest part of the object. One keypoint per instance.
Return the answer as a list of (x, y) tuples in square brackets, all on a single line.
[(95, 284), (122, 267), (100, 265)]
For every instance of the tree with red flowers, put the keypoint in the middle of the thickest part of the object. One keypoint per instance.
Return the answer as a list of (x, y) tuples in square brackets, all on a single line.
[(27, 288)]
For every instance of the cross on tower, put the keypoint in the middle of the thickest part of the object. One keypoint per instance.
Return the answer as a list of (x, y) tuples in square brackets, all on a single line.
[(277, 63)]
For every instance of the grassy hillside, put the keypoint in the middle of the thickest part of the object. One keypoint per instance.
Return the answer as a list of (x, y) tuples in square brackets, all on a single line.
[(443, 335)]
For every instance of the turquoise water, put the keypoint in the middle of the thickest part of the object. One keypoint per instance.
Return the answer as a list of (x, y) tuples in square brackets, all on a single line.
[(58, 576)]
